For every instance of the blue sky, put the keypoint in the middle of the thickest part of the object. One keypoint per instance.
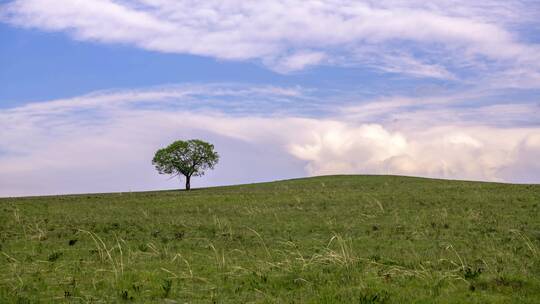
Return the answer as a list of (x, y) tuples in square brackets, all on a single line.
[(89, 89), (40, 65)]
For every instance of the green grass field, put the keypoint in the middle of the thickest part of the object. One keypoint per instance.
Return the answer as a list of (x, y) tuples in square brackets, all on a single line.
[(333, 239)]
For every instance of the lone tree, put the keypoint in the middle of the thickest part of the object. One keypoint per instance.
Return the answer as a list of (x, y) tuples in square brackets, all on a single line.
[(188, 158)]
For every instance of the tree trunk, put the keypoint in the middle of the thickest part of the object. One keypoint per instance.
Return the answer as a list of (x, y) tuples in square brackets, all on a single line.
[(188, 186)]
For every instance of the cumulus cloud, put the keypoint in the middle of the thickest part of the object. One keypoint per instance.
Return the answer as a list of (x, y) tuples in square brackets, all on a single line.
[(104, 141), (447, 152), (433, 38)]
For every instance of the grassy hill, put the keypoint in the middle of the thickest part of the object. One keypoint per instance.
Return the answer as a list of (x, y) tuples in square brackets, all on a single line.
[(332, 239)]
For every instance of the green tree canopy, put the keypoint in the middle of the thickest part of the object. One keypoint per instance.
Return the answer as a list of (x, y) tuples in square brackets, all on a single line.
[(188, 158)]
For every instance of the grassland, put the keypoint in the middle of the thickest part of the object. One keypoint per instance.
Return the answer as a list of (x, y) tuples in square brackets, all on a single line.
[(334, 239)]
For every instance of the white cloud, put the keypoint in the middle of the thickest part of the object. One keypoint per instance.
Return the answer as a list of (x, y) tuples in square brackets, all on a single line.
[(406, 64), (478, 153), (290, 35), (105, 141), (297, 61)]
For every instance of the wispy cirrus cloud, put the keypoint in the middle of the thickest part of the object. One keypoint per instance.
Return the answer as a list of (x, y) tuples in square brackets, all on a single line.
[(104, 141), (435, 40)]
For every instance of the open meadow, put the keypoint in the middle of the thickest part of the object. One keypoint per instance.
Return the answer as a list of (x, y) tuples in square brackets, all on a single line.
[(331, 239)]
